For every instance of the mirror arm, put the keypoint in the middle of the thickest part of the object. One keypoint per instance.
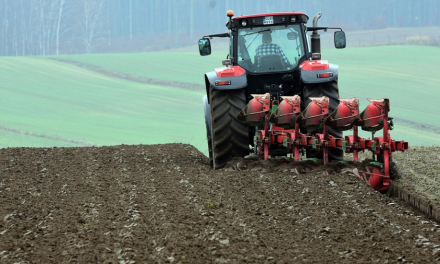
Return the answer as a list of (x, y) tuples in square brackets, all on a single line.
[(223, 35), (321, 28)]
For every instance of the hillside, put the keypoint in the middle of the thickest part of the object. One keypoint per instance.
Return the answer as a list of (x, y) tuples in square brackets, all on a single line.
[(368, 72), (49, 100), (109, 99)]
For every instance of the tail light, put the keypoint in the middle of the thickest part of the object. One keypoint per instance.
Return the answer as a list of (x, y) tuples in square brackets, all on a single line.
[(325, 75), (220, 83)]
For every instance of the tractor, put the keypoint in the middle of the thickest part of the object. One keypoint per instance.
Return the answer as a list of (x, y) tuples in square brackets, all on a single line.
[(297, 71), (276, 97)]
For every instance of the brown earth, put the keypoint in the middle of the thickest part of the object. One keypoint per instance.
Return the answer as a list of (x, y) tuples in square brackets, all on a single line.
[(420, 167), (163, 204)]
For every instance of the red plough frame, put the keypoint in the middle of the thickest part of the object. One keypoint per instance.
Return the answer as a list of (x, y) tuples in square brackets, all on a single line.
[(282, 128)]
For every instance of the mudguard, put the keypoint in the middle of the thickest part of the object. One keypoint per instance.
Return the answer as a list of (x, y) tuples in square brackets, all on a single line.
[(234, 77), (311, 69)]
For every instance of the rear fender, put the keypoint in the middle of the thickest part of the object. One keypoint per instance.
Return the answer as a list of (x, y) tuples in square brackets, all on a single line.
[(235, 76), (310, 71)]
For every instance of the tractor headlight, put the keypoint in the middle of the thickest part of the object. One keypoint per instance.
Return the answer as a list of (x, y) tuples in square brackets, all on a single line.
[(244, 22), (293, 19)]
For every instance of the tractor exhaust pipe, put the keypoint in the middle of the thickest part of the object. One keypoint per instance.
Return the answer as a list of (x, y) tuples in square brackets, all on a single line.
[(315, 37)]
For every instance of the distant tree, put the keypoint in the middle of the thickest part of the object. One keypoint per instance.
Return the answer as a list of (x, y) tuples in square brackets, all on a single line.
[(60, 15), (43, 27), (90, 22)]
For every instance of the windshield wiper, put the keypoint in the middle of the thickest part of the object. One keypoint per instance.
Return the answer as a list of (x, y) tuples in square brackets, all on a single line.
[(257, 32), (255, 36)]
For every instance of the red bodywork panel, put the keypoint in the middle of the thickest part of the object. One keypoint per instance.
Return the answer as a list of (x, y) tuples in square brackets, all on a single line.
[(230, 71), (314, 65), (271, 14)]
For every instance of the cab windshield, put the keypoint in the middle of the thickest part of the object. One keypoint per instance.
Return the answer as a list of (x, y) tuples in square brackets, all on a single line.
[(269, 49)]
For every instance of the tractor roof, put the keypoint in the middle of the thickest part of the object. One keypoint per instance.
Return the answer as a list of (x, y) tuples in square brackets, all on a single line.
[(271, 14)]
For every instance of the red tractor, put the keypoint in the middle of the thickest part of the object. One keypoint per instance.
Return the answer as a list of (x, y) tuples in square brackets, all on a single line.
[(277, 95), (269, 53)]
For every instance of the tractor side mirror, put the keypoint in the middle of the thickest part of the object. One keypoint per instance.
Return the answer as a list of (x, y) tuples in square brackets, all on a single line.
[(340, 41), (204, 47)]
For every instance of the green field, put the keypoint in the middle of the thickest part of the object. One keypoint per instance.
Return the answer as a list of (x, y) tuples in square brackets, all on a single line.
[(44, 97), (407, 75), (58, 104), (14, 139), (187, 67)]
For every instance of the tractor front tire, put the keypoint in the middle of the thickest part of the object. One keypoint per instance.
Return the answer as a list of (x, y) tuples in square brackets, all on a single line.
[(330, 90), (229, 137)]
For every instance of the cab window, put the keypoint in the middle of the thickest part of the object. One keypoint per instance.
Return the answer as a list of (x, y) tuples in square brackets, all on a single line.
[(267, 49)]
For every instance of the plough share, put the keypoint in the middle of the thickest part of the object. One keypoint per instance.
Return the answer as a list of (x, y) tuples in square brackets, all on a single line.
[(282, 121)]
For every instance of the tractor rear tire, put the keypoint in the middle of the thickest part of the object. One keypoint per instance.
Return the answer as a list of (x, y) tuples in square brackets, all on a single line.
[(229, 137), (329, 89)]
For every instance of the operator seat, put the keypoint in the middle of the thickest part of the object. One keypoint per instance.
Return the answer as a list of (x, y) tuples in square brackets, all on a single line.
[(272, 62)]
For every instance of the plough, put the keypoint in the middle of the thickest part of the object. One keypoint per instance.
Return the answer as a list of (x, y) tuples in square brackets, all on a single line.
[(281, 122)]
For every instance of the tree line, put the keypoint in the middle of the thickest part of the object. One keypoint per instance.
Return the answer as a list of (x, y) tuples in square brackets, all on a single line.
[(47, 27)]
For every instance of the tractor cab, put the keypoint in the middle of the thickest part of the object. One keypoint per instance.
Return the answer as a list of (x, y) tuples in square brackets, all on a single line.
[(268, 43)]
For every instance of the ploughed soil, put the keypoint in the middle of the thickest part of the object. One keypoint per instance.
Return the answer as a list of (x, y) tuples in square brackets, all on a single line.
[(164, 204)]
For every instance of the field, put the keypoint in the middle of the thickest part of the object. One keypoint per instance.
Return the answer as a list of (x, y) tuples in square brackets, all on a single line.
[(164, 204), (55, 103), (48, 99), (136, 199)]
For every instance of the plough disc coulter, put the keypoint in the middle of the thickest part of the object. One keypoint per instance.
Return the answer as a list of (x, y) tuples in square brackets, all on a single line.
[(282, 121)]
